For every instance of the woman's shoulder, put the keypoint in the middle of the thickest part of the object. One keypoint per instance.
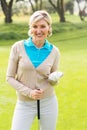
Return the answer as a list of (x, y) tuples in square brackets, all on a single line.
[(56, 49), (17, 46), (18, 43)]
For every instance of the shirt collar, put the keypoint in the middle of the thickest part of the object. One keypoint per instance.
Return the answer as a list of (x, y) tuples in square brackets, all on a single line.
[(30, 43)]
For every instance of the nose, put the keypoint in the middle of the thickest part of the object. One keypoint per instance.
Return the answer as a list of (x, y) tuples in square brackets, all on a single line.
[(38, 30)]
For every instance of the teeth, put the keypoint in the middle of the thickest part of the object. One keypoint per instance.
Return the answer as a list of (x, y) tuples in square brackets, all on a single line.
[(39, 35)]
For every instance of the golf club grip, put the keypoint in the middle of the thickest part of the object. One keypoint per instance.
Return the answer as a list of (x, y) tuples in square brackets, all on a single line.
[(38, 109)]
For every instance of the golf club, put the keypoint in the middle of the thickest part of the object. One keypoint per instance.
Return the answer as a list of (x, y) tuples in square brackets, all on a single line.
[(38, 113)]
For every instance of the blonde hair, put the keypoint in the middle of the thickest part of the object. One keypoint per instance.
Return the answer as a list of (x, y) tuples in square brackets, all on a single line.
[(38, 15)]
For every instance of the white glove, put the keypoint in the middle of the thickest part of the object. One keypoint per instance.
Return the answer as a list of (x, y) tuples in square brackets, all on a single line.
[(55, 76)]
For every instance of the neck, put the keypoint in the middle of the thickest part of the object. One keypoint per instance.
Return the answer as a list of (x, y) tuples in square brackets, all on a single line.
[(38, 43)]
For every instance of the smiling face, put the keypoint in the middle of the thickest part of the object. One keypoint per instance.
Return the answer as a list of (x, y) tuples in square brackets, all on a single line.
[(40, 30)]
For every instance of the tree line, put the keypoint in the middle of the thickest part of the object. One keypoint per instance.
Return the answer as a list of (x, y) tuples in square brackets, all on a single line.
[(58, 5)]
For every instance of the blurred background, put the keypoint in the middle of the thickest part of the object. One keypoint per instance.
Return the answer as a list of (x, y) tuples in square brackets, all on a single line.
[(70, 36)]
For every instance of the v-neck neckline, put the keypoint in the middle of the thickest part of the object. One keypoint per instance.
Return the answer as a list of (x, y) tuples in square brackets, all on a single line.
[(29, 60)]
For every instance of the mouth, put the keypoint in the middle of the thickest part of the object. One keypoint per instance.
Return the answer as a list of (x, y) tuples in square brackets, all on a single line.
[(39, 35)]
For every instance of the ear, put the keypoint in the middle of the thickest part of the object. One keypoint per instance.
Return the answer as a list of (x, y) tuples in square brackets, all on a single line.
[(30, 32)]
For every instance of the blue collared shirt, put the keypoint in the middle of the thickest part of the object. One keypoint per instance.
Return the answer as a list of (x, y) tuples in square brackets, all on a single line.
[(37, 55)]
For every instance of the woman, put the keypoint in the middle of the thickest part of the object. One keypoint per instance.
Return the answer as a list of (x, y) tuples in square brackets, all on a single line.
[(30, 64)]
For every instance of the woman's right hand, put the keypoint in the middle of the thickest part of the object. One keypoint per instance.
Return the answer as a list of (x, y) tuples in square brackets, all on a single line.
[(36, 94)]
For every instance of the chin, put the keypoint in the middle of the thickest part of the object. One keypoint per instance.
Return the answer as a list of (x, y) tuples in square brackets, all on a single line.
[(40, 38)]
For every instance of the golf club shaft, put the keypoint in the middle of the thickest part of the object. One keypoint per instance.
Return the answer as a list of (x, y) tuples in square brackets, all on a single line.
[(38, 109), (38, 113)]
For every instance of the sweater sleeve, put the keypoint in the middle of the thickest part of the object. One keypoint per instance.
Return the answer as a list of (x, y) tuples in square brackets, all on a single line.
[(56, 60), (12, 71)]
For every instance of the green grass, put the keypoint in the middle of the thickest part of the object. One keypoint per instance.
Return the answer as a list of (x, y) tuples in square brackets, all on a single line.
[(71, 91)]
